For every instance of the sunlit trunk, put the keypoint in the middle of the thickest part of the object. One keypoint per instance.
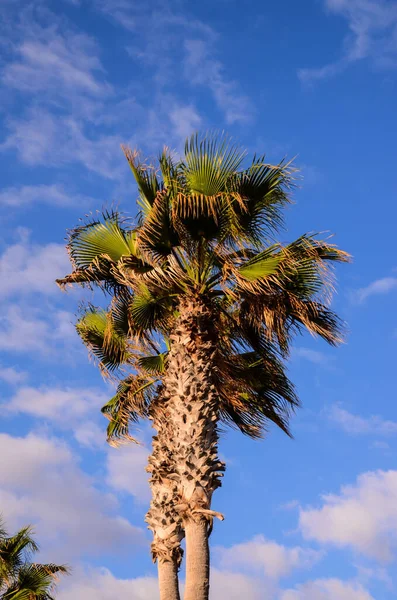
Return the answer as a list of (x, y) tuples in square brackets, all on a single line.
[(193, 408), (162, 518), (197, 560), (168, 579)]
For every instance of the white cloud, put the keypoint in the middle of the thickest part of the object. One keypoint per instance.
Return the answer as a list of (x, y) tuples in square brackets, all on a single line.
[(234, 586), (63, 406), (202, 68), (90, 435), (273, 559), (327, 589), (363, 516), (28, 268), (126, 470), (101, 584), (66, 408), (54, 195), (355, 424), (376, 288), (42, 484), (25, 330), (372, 35), (12, 376)]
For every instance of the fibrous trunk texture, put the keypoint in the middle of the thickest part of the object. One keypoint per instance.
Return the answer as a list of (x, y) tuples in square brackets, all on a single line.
[(168, 580), (193, 409), (198, 560), (162, 518)]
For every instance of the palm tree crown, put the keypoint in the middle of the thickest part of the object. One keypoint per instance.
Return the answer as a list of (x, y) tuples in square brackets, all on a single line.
[(205, 232)]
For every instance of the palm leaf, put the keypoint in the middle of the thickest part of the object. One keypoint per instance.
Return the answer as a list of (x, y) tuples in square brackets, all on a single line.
[(145, 177), (97, 239), (128, 405), (154, 364), (261, 266), (209, 162), (263, 190), (148, 311), (107, 343)]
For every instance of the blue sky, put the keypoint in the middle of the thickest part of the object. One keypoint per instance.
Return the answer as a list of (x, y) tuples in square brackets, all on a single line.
[(314, 518)]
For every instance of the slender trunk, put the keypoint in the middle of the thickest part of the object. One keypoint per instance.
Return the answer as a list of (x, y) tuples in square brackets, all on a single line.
[(162, 518), (198, 560), (168, 579), (193, 407)]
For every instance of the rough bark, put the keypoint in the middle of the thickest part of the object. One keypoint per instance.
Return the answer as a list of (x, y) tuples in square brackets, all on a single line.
[(193, 407), (162, 517)]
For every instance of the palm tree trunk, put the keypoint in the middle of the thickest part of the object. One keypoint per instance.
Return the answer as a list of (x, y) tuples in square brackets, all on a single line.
[(168, 579), (162, 518), (198, 560), (193, 408)]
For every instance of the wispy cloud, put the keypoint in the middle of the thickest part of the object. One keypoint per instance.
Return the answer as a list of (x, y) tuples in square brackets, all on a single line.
[(376, 288), (314, 356), (51, 194), (36, 138), (358, 425), (175, 31), (64, 64), (372, 35), (202, 68), (185, 120)]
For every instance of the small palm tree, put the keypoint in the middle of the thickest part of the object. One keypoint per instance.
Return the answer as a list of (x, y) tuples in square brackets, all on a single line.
[(205, 304), (21, 579)]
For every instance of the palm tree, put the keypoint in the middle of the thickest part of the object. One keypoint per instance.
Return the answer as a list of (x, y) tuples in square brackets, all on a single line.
[(21, 579), (208, 302)]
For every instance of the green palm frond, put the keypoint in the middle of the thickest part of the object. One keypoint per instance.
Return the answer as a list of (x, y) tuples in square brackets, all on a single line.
[(145, 177), (96, 247), (157, 235), (149, 311), (103, 339), (128, 405), (15, 550), (34, 582), (19, 578), (154, 364), (254, 389), (99, 238), (261, 265), (265, 191), (209, 162)]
